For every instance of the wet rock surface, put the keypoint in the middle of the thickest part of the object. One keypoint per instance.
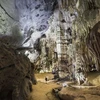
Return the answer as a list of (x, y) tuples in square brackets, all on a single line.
[(16, 74)]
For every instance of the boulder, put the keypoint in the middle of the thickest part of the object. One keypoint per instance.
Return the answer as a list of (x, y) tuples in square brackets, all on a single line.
[(16, 74)]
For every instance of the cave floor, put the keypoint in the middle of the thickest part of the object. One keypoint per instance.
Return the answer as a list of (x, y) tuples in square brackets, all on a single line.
[(43, 91), (86, 93)]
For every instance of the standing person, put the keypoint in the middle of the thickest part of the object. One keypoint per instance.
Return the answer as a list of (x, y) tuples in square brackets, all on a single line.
[(46, 79)]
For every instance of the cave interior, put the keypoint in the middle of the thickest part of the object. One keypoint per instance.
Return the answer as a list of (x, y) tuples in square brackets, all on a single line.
[(49, 49)]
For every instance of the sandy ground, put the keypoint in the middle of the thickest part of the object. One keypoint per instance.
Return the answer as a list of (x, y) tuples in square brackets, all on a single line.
[(42, 91)]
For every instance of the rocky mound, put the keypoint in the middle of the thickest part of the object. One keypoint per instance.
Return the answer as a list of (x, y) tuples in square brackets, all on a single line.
[(80, 94), (16, 74)]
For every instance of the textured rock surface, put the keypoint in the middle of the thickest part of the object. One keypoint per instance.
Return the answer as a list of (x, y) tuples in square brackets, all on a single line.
[(79, 94), (30, 17), (16, 74), (94, 44)]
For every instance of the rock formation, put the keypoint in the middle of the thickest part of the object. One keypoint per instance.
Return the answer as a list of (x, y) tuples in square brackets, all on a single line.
[(16, 74), (93, 43), (76, 39)]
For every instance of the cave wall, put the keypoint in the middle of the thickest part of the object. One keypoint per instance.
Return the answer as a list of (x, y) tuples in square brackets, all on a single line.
[(82, 16), (29, 18)]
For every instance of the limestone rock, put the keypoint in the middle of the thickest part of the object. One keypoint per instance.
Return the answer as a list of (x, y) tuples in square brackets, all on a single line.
[(79, 94), (16, 74)]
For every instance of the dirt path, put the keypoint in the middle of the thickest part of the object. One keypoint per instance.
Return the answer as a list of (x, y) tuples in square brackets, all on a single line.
[(42, 91)]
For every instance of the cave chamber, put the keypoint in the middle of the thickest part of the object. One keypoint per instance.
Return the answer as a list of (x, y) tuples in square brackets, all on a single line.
[(56, 40)]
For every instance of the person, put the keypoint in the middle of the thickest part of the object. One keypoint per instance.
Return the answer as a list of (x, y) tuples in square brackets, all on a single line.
[(53, 71), (65, 84), (46, 79)]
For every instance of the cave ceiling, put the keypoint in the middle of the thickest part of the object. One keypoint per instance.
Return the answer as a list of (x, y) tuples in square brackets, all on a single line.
[(26, 16), (27, 20)]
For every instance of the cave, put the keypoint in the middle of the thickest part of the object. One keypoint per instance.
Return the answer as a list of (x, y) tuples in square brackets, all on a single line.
[(49, 49)]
